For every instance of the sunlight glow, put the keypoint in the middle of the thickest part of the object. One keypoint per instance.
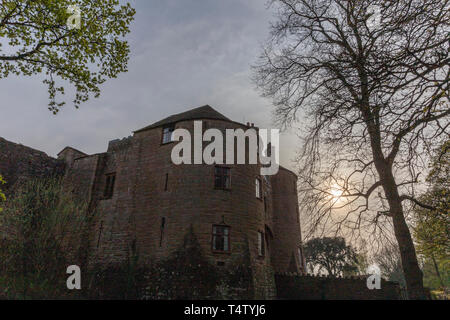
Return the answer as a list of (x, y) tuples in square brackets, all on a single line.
[(336, 192)]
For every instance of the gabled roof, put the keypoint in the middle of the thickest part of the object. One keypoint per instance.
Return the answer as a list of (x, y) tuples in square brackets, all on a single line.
[(205, 112), (71, 149)]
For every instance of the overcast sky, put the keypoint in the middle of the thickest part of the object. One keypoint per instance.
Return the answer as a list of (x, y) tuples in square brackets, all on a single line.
[(184, 54)]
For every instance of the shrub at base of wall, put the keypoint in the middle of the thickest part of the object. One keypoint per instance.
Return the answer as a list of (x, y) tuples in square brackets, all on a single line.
[(186, 275)]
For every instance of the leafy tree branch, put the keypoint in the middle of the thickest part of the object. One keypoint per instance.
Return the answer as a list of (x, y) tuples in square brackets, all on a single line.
[(35, 38)]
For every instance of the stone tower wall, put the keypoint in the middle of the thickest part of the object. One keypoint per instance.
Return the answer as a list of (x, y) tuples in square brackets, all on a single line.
[(129, 224), (286, 222)]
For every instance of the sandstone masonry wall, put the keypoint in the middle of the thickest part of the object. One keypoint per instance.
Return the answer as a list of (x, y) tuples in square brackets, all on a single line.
[(286, 223), (155, 204), (19, 163), (145, 218), (304, 287)]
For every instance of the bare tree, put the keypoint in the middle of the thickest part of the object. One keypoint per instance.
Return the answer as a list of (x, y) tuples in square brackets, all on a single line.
[(389, 261), (370, 81)]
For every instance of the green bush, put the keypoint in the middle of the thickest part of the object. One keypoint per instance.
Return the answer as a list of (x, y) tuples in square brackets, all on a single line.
[(43, 230)]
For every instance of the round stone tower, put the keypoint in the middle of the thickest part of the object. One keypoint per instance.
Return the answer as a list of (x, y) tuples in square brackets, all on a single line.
[(242, 222), (287, 255)]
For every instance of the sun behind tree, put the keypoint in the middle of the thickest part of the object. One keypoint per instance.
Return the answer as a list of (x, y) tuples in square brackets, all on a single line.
[(371, 96)]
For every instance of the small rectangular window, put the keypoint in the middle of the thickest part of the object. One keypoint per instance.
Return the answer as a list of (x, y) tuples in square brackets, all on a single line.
[(221, 238), (100, 233), (258, 188), (109, 187), (168, 134), (166, 182), (222, 178), (163, 225), (261, 248)]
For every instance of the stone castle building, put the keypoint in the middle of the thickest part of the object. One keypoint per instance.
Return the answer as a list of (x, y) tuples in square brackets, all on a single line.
[(147, 205)]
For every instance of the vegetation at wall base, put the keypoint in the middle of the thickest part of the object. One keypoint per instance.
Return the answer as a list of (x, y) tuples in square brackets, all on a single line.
[(43, 230)]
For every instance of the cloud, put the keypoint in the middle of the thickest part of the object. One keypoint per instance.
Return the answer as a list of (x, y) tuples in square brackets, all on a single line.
[(183, 54)]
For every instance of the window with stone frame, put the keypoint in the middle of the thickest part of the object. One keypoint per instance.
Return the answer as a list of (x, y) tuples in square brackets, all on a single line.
[(221, 238), (222, 178), (167, 134), (261, 244), (258, 188)]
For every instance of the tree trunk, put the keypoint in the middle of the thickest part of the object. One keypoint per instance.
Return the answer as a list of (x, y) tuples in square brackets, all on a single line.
[(411, 269), (437, 271)]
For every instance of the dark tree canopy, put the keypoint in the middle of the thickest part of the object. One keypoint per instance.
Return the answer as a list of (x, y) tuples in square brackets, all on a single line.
[(372, 96), (332, 255), (41, 37)]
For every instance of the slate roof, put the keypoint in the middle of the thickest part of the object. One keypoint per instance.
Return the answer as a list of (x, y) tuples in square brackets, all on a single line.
[(204, 112)]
